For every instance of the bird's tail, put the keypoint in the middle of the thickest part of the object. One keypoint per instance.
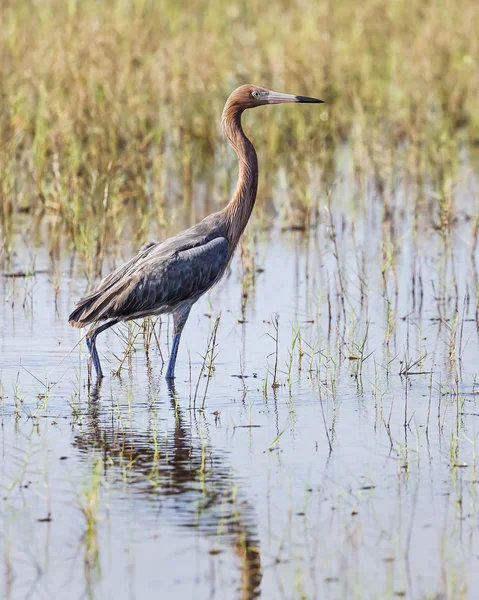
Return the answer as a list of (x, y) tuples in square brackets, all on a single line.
[(83, 312), (96, 307)]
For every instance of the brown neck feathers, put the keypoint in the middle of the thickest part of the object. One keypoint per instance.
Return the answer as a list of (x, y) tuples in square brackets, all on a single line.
[(238, 211)]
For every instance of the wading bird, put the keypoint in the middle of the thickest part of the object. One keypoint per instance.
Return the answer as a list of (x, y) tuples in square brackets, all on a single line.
[(170, 276)]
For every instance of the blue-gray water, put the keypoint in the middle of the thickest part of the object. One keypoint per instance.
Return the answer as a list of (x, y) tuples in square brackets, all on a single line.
[(130, 491)]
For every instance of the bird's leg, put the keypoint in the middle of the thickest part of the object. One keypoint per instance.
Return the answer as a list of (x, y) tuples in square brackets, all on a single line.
[(91, 343), (170, 372), (179, 319)]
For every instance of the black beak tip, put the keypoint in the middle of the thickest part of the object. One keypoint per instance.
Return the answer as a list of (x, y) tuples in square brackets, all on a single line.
[(309, 100)]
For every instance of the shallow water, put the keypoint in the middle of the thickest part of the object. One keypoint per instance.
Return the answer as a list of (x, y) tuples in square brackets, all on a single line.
[(344, 479)]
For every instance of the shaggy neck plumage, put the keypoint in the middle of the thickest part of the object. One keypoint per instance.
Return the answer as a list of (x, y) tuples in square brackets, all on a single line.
[(238, 211)]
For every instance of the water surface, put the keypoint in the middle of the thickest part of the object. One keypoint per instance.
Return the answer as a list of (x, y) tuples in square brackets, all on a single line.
[(349, 471)]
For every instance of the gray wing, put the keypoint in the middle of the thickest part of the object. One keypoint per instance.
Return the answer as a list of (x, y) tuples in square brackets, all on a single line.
[(125, 269), (158, 283), (198, 235), (185, 275)]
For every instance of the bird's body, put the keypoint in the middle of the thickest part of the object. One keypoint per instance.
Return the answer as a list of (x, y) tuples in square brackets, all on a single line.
[(170, 276), (160, 277)]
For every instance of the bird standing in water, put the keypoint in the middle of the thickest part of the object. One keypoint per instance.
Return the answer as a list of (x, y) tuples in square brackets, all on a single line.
[(170, 276)]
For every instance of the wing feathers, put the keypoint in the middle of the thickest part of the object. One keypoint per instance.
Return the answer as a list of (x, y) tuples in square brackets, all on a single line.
[(155, 282)]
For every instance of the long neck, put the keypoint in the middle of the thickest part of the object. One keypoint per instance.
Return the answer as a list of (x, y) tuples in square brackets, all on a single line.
[(237, 213)]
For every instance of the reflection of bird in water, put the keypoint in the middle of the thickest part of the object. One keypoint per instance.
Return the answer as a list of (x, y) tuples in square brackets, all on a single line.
[(170, 276), (190, 476)]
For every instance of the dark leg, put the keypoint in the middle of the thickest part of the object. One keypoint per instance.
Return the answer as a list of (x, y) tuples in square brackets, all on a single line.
[(170, 372), (91, 343), (179, 319)]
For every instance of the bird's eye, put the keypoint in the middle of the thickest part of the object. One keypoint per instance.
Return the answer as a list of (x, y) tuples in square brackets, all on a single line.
[(255, 94)]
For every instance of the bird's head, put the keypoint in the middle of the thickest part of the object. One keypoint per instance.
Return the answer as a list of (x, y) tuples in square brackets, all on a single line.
[(250, 96)]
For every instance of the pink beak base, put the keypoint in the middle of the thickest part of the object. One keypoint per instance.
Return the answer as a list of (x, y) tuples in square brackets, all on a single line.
[(277, 98)]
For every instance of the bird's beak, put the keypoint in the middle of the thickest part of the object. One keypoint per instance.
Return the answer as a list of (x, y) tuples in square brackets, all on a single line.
[(277, 98)]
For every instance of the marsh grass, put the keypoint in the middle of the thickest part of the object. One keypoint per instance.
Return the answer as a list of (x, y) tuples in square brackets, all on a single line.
[(109, 111), (207, 363), (90, 506)]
